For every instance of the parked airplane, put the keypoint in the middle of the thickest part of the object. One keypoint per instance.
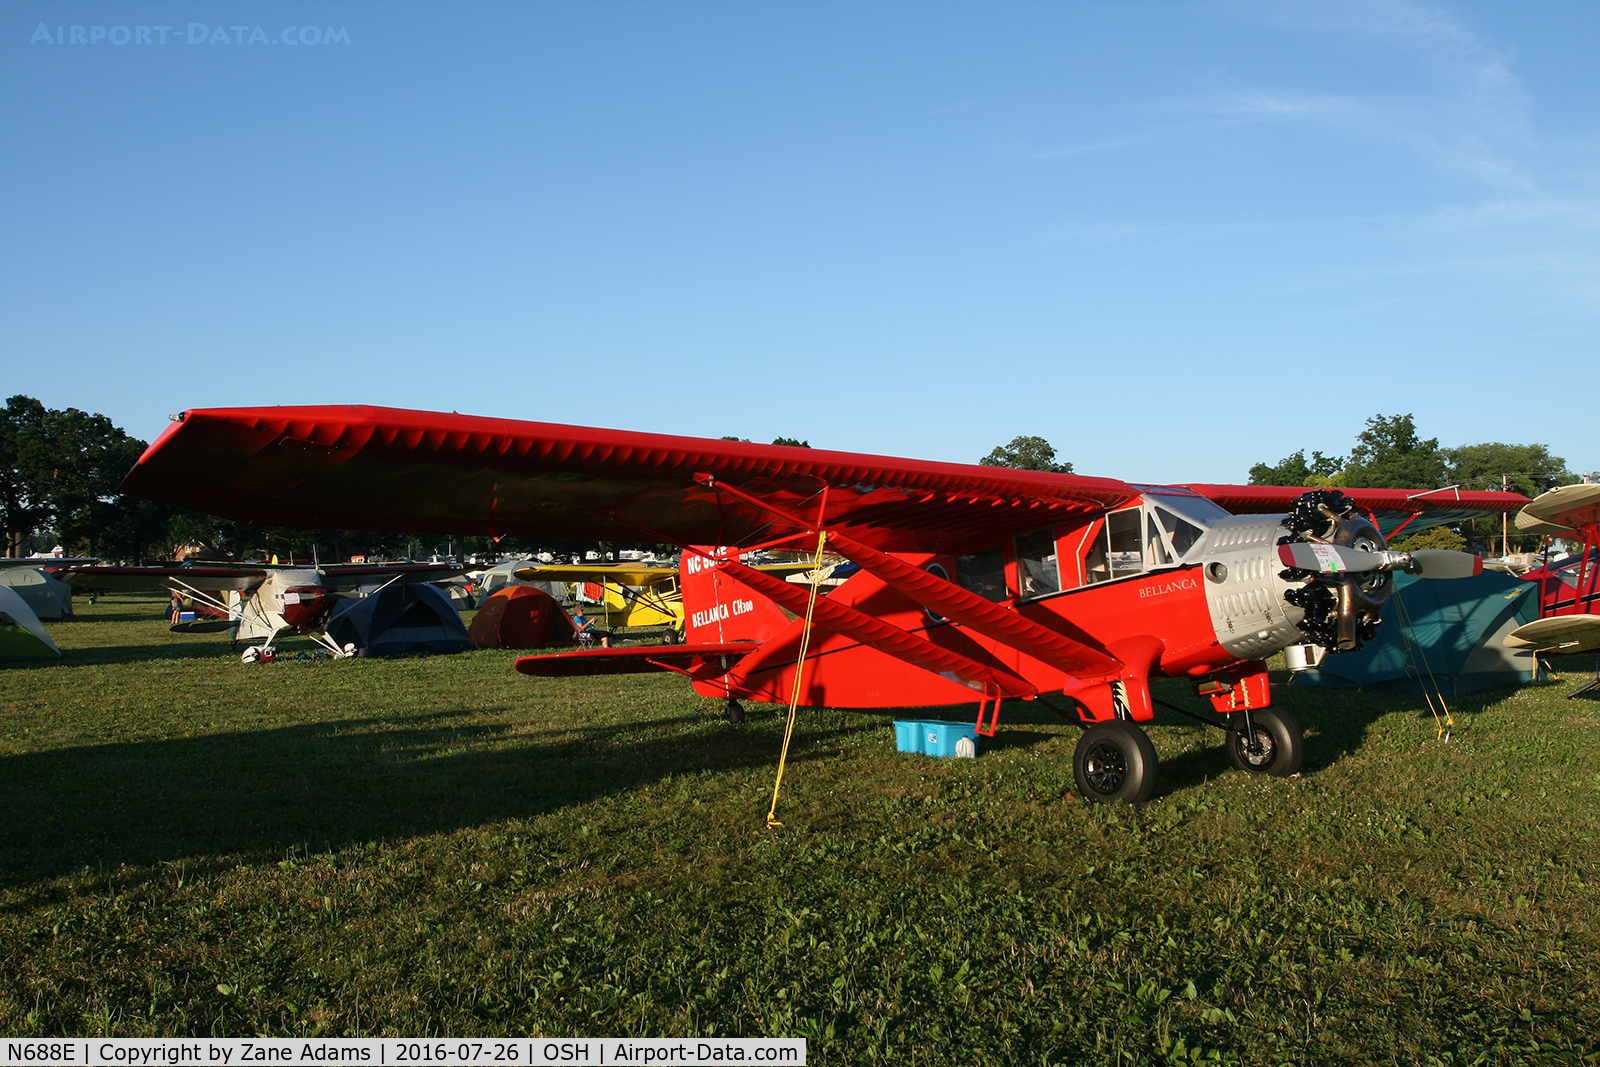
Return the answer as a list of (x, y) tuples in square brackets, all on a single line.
[(634, 597), (1567, 620), (253, 602), (975, 583)]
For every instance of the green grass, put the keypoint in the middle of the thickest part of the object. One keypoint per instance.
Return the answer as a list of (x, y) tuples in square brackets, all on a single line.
[(441, 846)]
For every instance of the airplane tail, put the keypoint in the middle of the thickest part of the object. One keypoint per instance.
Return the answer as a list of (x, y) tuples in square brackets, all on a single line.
[(717, 608)]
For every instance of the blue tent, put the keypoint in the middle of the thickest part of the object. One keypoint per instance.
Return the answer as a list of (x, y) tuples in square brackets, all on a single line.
[(1457, 635), (397, 619)]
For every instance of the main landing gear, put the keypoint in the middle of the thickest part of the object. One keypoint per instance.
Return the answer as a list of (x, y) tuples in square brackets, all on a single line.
[(1115, 761)]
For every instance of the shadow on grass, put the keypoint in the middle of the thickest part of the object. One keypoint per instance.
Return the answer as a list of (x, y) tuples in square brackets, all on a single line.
[(255, 794)]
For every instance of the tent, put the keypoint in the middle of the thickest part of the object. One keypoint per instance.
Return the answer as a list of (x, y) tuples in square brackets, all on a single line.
[(520, 616), (49, 597), (399, 618), (21, 635), (1457, 634), (504, 574)]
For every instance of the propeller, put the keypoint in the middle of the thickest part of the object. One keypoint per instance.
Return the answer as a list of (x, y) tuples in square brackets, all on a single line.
[(1337, 559)]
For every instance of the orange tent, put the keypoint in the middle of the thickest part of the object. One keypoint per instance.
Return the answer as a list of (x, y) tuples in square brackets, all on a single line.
[(521, 616)]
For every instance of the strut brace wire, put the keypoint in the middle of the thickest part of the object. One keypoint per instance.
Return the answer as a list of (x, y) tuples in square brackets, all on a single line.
[(799, 676)]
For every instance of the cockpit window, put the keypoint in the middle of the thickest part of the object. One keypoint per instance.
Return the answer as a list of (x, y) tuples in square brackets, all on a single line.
[(1155, 545), (1184, 534), (1037, 572), (1124, 534)]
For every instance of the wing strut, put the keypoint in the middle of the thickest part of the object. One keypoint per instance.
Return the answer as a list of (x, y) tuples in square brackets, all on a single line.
[(950, 600), (881, 635)]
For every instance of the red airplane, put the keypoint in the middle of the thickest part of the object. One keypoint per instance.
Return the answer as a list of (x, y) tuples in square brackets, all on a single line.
[(974, 584), (1568, 591)]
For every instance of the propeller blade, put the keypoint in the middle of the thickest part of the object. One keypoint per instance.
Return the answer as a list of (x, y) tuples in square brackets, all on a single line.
[(1336, 559), (1441, 563), (1328, 559)]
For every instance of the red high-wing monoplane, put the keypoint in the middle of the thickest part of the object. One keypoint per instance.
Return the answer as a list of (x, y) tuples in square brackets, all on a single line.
[(975, 583)]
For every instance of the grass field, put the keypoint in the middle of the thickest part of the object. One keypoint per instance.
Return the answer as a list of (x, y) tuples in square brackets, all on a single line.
[(441, 846)]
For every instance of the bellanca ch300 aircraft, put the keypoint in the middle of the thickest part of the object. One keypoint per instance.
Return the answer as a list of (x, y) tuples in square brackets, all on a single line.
[(976, 584)]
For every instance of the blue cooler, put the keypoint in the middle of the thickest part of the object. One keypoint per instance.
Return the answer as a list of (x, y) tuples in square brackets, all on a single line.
[(932, 737)]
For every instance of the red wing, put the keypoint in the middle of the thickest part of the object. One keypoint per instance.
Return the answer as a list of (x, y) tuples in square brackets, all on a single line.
[(1393, 507), (390, 469), (133, 578), (697, 661)]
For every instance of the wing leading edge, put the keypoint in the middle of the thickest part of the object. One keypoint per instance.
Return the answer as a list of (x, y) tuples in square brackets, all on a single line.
[(392, 469)]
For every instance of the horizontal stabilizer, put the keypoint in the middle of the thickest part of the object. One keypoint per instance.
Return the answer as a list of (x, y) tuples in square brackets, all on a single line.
[(699, 662)]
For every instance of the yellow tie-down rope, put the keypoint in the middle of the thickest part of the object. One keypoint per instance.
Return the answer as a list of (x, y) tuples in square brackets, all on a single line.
[(799, 674), (1408, 633)]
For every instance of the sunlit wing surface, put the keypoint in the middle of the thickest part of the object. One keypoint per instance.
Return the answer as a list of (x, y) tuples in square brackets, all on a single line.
[(1392, 508), (1566, 507), (134, 578), (1560, 633), (389, 469)]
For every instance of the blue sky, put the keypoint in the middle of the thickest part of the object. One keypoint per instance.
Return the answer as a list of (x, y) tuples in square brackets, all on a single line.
[(1173, 238)]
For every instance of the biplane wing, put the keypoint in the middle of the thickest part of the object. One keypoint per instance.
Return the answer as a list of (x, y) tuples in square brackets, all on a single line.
[(1568, 592), (389, 469)]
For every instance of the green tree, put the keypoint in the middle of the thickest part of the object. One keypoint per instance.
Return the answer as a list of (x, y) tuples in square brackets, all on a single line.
[(791, 442), (1526, 469), (74, 461), (22, 510), (1028, 454), (1297, 470), (1389, 455)]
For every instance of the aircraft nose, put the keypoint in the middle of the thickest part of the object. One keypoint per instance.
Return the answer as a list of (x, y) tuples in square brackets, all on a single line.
[(305, 605)]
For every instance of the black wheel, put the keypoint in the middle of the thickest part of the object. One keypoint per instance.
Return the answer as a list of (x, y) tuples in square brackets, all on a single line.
[(1280, 748), (735, 711), (671, 637), (1115, 761)]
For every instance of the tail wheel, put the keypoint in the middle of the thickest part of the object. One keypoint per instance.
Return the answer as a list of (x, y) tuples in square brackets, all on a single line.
[(1279, 748), (1115, 761)]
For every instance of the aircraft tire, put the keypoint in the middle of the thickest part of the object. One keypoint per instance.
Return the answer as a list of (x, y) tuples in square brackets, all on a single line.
[(1283, 745), (735, 711), (1115, 761)]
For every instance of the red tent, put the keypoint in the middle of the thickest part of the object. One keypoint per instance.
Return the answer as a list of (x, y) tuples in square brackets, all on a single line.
[(521, 616)]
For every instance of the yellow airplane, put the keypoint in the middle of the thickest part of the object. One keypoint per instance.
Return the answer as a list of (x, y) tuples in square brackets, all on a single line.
[(630, 596)]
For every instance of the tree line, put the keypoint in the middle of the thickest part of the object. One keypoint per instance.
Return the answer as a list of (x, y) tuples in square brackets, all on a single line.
[(59, 471), (1388, 454)]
